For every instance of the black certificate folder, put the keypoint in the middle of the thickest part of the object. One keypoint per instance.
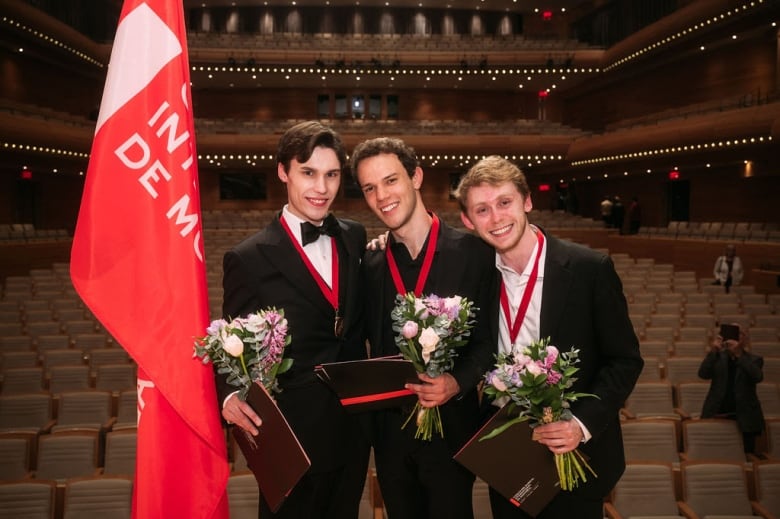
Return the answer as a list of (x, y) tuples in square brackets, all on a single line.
[(364, 385), (274, 456), (517, 467)]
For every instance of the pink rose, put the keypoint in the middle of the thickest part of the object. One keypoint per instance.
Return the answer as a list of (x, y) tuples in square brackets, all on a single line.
[(409, 331)]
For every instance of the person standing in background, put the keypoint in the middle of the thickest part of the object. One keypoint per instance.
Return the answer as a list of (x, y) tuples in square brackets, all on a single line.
[(634, 216), (605, 207), (728, 269)]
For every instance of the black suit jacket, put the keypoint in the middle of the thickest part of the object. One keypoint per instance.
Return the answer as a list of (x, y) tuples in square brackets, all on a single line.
[(749, 372), (463, 265), (266, 270), (583, 306)]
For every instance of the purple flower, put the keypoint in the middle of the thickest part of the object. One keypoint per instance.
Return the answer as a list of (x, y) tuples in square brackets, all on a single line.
[(216, 326)]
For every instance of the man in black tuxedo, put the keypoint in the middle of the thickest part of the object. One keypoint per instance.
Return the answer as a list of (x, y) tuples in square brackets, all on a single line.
[(419, 478), (306, 262), (576, 299)]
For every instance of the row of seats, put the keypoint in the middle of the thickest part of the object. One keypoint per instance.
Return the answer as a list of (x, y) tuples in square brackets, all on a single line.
[(93, 409), (731, 231), (58, 379), (66, 454), (684, 400), (28, 233), (703, 489)]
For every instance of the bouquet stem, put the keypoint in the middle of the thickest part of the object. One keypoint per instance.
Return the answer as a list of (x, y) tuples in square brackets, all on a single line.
[(428, 421), (570, 469)]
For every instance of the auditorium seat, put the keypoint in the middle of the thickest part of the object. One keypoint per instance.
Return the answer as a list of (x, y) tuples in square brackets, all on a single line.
[(15, 453), (772, 369), (69, 378), (767, 488), (26, 413), (657, 349), (650, 400), (690, 349), (84, 410), (651, 439), (714, 489), (51, 342), (764, 333), (127, 410), (644, 490), (101, 356), (712, 439), (115, 377), (107, 497), (769, 396), (63, 357), (67, 454), (18, 359), (89, 341), (120, 453), (18, 381), (651, 370), (15, 343), (772, 439), (690, 397), (243, 496), (683, 369), (33, 499)]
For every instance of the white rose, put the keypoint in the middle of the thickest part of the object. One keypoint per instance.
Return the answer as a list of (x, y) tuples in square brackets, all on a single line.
[(533, 368), (428, 340), (233, 345)]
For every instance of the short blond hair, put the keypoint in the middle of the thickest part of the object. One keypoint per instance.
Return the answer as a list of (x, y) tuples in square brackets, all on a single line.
[(491, 170)]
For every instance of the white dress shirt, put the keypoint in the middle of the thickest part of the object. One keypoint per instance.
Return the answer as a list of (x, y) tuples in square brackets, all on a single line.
[(319, 252)]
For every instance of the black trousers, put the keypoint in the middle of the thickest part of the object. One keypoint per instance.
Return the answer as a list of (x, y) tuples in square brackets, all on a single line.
[(419, 479), (334, 494), (564, 506)]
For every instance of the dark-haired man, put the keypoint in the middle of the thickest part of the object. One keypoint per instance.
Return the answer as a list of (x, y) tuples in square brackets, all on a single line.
[(316, 284), (418, 478)]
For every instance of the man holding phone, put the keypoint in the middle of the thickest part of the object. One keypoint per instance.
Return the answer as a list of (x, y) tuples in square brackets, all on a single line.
[(734, 373)]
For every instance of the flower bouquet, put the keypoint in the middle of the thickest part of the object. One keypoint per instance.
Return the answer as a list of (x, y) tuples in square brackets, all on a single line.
[(536, 381), (247, 349), (429, 329)]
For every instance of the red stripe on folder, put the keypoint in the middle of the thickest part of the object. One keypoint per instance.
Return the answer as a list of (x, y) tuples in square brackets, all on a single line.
[(375, 397), (515, 502)]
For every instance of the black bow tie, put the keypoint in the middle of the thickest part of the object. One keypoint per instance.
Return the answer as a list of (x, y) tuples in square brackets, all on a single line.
[(310, 233)]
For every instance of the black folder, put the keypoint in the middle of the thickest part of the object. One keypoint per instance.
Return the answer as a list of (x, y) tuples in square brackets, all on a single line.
[(517, 467), (364, 385), (275, 456)]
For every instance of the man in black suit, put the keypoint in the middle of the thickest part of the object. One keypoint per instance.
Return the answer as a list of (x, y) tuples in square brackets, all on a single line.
[(316, 284), (576, 299), (734, 373), (419, 478)]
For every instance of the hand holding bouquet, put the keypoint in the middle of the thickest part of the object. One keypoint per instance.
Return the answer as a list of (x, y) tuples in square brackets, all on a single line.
[(247, 349), (429, 329), (536, 380)]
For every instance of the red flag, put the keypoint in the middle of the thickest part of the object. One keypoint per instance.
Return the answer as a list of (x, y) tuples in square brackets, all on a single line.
[(137, 261)]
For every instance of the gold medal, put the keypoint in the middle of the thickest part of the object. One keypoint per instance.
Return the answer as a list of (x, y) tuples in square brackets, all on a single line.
[(338, 325)]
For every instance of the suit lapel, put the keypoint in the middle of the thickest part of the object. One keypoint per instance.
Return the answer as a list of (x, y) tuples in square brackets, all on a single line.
[(282, 254), (349, 269), (555, 290)]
